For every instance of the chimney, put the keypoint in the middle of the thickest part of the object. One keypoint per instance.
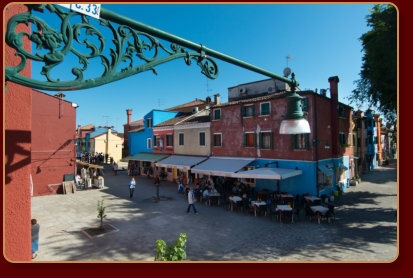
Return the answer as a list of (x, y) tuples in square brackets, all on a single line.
[(60, 95), (334, 114), (195, 110), (78, 129), (216, 99), (129, 114)]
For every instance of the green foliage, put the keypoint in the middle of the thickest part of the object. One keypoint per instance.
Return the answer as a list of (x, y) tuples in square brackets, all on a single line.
[(378, 82), (101, 212), (175, 252)]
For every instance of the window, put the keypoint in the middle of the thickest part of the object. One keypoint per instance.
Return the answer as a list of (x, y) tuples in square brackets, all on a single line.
[(169, 140), (300, 141), (202, 138), (265, 109), (156, 141), (250, 139), (181, 139), (341, 111), (217, 140), (304, 104), (217, 114), (342, 138), (149, 123), (266, 140), (149, 143), (248, 110)]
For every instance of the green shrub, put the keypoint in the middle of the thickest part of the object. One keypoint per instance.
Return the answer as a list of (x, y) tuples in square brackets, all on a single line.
[(175, 252), (101, 212)]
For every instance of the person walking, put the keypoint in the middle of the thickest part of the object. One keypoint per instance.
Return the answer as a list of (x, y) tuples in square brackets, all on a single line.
[(191, 201), (132, 185), (115, 168), (156, 182), (35, 238)]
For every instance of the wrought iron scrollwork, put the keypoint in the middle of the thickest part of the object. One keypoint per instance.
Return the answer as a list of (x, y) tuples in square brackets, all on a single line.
[(130, 47)]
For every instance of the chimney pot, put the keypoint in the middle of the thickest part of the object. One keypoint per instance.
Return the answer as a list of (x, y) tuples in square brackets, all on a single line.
[(129, 115), (216, 99)]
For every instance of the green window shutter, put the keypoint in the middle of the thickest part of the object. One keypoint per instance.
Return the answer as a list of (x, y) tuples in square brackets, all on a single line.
[(307, 141), (271, 140), (292, 146), (255, 139), (214, 140), (305, 104), (253, 110), (245, 139), (244, 111), (261, 138)]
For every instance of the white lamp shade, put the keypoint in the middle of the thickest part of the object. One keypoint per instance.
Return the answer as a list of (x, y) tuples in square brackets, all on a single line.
[(295, 126)]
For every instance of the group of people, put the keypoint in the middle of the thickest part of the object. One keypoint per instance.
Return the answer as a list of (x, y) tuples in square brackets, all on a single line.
[(82, 179), (96, 158)]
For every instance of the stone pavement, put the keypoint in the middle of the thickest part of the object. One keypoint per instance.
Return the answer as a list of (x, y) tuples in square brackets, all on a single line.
[(365, 228)]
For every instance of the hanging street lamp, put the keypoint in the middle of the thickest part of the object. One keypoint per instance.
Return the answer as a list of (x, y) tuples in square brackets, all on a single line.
[(132, 40)]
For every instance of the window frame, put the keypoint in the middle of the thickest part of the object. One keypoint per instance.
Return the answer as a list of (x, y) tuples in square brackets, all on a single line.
[(179, 139), (149, 140), (245, 139), (271, 138), (244, 110), (199, 138), (172, 140), (220, 141), (147, 125), (220, 114), (269, 108)]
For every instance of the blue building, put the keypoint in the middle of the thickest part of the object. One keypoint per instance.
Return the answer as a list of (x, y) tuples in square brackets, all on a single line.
[(141, 140)]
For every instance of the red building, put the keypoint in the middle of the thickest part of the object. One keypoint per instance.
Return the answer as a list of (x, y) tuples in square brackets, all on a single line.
[(18, 126), (249, 128), (53, 142)]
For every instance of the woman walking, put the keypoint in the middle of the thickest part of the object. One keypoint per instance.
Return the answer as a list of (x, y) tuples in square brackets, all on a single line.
[(35, 238), (132, 185)]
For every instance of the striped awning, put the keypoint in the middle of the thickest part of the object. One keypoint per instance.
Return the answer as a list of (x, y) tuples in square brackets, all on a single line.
[(181, 161), (149, 157)]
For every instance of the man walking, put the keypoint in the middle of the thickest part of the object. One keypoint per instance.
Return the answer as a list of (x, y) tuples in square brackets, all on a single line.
[(191, 200), (156, 182)]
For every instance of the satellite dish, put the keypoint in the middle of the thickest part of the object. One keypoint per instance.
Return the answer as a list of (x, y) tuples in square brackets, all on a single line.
[(287, 72)]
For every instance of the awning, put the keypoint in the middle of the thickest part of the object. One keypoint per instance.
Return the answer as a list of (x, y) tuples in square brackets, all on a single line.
[(326, 169), (150, 157), (269, 173), (89, 165), (221, 166), (181, 161)]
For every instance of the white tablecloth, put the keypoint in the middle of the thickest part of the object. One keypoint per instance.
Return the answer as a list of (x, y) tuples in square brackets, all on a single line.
[(258, 203), (320, 209), (284, 208), (235, 198), (311, 198)]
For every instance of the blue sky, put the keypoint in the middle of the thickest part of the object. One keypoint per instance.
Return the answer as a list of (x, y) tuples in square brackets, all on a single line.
[(324, 39)]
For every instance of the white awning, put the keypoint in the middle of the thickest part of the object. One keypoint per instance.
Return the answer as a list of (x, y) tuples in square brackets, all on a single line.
[(221, 166), (269, 173), (181, 161), (326, 169)]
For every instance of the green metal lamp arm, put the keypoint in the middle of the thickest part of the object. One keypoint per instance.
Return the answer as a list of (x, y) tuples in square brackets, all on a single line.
[(143, 37)]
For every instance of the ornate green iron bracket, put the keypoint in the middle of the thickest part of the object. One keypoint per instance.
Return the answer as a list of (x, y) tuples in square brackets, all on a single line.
[(133, 40)]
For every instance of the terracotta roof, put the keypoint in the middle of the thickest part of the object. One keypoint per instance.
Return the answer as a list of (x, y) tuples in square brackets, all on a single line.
[(87, 127), (200, 117), (280, 94), (196, 102), (135, 122), (171, 122), (136, 130)]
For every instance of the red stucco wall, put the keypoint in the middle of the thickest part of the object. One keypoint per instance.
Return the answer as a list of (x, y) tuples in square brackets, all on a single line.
[(18, 101), (53, 155), (233, 126), (162, 134)]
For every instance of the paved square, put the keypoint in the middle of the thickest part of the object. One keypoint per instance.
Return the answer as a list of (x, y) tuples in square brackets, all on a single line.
[(365, 228)]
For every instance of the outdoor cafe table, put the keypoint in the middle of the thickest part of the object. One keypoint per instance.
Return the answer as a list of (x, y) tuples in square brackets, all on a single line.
[(213, 195), (285, 195), (311, 198), (281, 208), (256, 204), (319, 210), (234, 199)]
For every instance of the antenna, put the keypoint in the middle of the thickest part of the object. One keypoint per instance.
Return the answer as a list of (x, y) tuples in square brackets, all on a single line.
[(106, 117), (289, 57), (287, 70), (207, 86)]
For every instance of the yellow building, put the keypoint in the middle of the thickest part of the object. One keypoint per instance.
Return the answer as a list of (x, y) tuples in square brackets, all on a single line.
[(107, 143)]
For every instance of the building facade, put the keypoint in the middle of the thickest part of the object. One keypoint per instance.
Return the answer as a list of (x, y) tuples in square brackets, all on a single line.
[(53, 152), (249, 128), (107, 143)]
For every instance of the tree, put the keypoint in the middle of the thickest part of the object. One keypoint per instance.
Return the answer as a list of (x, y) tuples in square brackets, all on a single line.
[(378, 82), (101, 212), (175, 252)]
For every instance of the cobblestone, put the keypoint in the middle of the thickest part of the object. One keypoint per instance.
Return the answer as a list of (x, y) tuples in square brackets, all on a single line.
[(365, 228)]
